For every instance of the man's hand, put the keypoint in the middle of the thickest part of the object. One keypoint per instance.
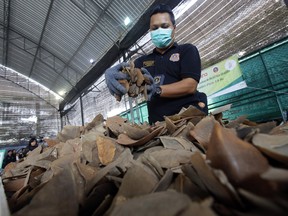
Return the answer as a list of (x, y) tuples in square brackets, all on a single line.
[(151, 87), (112, 75)]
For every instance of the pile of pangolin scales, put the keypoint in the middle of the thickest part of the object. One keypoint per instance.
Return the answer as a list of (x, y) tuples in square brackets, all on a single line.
[(189, 164), (137, 83)]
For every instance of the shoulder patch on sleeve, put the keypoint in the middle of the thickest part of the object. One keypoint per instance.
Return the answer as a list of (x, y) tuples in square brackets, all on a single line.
[(148, 63)]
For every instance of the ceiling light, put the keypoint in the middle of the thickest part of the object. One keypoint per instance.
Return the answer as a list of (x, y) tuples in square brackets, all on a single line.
[(127, 21), (61, 92), (241, 53)]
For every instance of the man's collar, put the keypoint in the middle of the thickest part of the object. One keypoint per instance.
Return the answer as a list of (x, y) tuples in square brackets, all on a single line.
[(175, 44)]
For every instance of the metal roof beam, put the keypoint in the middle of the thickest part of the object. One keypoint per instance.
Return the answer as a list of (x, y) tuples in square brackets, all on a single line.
[(96, 24), (6, 23), (53, 68), (108, 13), (41, 48), (41, 36), (27, 89)]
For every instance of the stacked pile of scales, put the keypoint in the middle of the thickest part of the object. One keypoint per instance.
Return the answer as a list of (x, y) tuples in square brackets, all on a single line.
[(137, 83), (188, 164)]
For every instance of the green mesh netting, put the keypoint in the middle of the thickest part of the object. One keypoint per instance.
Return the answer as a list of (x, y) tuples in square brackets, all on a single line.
[(266, 75)]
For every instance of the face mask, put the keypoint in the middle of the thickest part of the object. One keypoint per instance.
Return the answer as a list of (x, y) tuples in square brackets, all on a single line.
[(161, 38)]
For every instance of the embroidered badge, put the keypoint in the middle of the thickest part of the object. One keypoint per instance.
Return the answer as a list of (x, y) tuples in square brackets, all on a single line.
[(175, 57), (148, 63), (159, 79)]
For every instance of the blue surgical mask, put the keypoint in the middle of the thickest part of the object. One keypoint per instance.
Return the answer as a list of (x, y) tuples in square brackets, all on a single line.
[(161, 37)]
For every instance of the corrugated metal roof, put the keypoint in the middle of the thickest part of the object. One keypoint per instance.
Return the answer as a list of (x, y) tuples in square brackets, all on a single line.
[(64, 38), (28, 17)]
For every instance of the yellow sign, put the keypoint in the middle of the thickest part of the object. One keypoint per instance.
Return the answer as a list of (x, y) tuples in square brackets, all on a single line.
[(220, 76)]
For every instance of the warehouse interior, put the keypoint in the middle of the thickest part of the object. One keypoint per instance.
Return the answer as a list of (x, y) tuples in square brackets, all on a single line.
[(54, 55)]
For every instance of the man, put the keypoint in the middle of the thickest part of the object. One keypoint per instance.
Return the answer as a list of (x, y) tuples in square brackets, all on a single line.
[(8, 159), (176, 70), (33, 144)]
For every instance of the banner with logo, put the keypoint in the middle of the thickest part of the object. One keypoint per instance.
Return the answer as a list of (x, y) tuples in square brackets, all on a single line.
[(222, 78)]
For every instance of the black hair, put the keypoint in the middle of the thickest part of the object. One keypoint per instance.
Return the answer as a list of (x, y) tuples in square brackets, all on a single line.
[(162, 8), (32, 140)]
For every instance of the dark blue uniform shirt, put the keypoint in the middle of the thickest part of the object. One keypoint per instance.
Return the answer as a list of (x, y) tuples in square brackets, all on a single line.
[(177, 63)]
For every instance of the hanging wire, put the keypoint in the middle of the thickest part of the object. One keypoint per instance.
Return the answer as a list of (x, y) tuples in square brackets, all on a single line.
[(279, 92)]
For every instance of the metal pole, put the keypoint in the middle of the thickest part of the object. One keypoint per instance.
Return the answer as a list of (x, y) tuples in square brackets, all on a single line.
[(141, 114), (129, 99), (131, 110), (126, 106), (61, 122), (37, 108), (81, 109), (137, 109)]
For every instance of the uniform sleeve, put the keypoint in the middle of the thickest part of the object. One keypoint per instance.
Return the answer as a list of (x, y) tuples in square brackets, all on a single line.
[(137, 63), (190, 62)]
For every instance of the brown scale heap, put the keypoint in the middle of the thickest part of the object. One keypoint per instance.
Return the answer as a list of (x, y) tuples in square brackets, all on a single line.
[(189, 164)]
